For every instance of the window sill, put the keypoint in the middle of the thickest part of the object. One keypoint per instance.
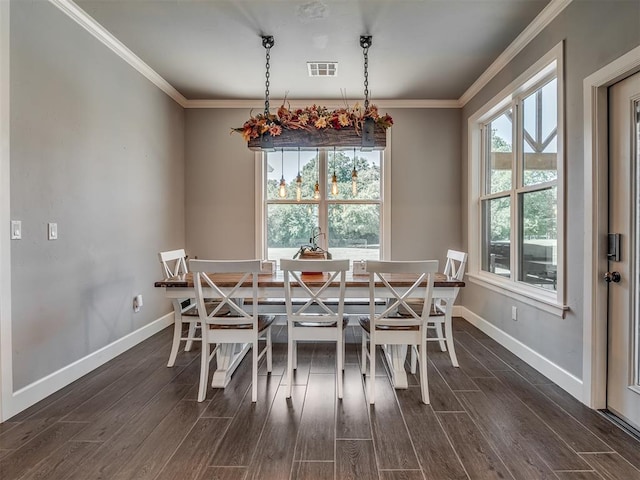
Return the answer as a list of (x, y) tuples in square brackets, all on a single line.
[(524, 295)]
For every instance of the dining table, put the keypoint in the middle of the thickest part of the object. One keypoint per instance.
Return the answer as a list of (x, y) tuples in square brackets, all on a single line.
[(271, 296)]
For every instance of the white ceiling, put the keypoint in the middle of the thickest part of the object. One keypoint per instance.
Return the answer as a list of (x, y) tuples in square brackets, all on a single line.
[(212, 50)]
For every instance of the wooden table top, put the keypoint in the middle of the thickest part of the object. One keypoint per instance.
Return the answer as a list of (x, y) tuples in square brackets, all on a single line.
[(277, 280)]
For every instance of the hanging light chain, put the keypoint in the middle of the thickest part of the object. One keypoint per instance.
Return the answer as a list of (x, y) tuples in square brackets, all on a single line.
[(365, 43), (366, 79), (267, 43)]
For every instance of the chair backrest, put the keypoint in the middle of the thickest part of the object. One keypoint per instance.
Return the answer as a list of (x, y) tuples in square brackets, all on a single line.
[(173, 262), (419, 284), (225, 278), (313, 288), (456, 262)]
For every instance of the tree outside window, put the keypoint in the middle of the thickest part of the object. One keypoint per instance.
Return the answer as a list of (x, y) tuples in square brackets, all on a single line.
[(349, 224)]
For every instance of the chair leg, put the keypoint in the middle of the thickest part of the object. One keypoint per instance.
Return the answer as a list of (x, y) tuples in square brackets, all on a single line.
[(204, 371), (344, 348), (372, 372), (424, 383), (191, 334), (441, 336), (269, 351), (295, 354), (363, 355), (448, 331), (290, 353), (254, 371), (340, 362), (175, 345), (413, 360)]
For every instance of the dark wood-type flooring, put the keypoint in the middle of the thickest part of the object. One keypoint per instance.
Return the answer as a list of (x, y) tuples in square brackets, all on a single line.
[(493, 418)]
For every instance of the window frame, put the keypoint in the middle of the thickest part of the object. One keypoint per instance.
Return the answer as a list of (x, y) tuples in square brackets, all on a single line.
[(544, 70), (261, 202)]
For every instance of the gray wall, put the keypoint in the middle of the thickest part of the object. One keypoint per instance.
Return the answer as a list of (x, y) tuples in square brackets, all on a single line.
[(98, 149), (425, 189), (220, 186), (595, 33)]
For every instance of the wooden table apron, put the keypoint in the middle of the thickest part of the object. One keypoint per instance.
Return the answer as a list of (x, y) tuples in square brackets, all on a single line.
[(271, 286)]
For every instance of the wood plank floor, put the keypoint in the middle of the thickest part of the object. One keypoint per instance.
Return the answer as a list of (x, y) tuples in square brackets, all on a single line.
[(493, 418)]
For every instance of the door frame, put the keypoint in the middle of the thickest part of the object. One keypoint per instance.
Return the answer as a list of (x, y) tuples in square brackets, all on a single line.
[(6, 370), (596, 202)]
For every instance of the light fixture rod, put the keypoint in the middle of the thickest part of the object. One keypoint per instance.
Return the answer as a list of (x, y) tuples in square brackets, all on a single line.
[(298, 180), (282, 189)]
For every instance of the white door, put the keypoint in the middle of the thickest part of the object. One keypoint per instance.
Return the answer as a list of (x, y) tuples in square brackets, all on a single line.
[(623, 375)]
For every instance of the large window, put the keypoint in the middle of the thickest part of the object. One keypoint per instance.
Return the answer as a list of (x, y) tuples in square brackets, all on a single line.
[(518, 166), (346, 221)]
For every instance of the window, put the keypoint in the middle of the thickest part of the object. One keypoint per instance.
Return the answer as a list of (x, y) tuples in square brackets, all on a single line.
[(349, 223), (518, 199)]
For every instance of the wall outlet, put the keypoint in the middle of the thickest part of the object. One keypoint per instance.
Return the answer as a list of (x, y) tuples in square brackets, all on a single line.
[(514, 313), (137, 303), (53, 231), (16, 229)]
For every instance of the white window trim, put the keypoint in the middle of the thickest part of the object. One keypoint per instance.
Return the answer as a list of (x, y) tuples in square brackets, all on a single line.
[(552, 302), (385, 200)]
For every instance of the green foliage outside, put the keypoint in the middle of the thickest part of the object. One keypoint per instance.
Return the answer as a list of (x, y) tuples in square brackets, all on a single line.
[(539, 208), (290, 225)]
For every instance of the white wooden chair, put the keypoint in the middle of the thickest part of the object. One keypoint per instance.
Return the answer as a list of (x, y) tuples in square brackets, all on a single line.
[(313, 319), (441, 314), (218, 327), (184, 309), (388, 327), (442, 310)]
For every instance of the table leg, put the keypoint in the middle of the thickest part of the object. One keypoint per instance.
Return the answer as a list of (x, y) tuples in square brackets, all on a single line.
[(228, 357), (448, 333), (395, 356)]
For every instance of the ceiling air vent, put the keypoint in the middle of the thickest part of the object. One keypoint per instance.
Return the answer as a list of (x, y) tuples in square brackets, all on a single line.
[(322, 69)]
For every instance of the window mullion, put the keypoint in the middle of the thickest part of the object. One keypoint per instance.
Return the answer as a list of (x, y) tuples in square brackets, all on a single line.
[(537, 187), (515, 199), (323, 209), (504, 193), (485, 145)]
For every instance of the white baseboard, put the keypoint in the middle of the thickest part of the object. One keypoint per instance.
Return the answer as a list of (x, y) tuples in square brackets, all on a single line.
[(40, 389), (555, 373)]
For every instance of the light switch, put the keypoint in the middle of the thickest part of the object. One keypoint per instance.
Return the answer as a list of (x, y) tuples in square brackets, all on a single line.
[(137, 303), (16, 229), (53, 231)]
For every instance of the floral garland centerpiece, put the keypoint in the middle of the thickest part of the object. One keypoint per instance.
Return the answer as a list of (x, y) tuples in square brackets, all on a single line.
[(312, 119)]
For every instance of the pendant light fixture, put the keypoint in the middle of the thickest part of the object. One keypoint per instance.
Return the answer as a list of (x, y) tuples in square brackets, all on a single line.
[(364, 129), (354, 176), (282, 189), (316, 188), (299, 180), (334, 178)]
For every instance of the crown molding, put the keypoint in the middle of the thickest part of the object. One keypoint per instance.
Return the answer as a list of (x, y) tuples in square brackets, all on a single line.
[(544, 18), (94, 28), (258, 104), (98, 31)]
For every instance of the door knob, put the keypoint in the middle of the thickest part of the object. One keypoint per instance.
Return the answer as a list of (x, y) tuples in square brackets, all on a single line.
[(612, 277)]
